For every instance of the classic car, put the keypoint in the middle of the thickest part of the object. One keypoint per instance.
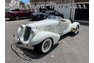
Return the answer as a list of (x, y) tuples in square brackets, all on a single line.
[(45, 33), (18, 13), (54, 12), (43, 15)]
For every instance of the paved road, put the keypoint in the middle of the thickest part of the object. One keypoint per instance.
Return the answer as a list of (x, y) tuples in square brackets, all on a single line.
[(71, 49)]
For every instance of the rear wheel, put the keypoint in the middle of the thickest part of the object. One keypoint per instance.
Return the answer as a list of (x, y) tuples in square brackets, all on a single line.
[(44, 46), (17, 17), (75, 30), (11, 18)]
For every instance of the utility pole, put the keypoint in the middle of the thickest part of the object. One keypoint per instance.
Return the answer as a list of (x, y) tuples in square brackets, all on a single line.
[(71, 7)]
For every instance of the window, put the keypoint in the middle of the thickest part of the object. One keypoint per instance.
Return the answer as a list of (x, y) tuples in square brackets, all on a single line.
[(16, 10)]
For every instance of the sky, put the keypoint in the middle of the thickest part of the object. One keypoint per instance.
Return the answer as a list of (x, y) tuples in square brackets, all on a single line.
[(25, 1)]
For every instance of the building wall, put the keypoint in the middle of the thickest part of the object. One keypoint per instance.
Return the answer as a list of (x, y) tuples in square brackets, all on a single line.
[(59, 1), (81, 0)]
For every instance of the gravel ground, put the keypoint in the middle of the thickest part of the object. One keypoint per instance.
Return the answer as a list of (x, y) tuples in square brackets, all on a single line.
[(71, 49)]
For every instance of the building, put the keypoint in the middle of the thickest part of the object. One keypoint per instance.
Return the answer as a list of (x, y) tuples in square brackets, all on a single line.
[(81, 1), (82, 10), (72, 9), (58, 1)]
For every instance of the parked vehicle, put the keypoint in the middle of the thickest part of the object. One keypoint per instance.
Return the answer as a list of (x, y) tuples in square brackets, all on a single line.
[(44, 15), (6, 12), (45, 33), (38, 16), (53, 12), (18, 13)]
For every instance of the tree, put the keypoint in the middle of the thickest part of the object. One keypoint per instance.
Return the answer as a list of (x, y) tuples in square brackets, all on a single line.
[(22, 4), (30, 1)]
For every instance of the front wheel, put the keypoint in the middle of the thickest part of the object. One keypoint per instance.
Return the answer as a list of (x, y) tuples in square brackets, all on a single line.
[(44, 46)]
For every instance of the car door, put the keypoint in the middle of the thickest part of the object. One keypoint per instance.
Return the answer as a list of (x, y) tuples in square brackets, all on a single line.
[(23, 13)]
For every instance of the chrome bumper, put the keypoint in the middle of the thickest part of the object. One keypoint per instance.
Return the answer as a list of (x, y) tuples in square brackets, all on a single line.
[(21, 45)]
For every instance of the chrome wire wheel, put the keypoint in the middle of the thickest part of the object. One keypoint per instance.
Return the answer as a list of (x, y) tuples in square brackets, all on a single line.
[(46, 46)]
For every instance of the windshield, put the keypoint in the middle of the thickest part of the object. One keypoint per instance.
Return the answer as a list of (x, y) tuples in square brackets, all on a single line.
[(15, 10), (53, 17)]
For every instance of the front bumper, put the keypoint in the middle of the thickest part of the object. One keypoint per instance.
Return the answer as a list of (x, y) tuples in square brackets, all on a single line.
[(22, 45)]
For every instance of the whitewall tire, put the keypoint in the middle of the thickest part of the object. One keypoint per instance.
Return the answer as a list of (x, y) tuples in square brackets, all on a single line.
[(75, 30), (44, 46)]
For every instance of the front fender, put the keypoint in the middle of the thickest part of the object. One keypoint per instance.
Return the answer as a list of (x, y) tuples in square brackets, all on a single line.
[(40, 36)]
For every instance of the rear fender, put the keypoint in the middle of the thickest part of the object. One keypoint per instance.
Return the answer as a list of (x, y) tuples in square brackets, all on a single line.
[(75, 24)]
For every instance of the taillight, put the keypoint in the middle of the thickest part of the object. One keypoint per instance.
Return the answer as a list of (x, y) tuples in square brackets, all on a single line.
[(20, 31)]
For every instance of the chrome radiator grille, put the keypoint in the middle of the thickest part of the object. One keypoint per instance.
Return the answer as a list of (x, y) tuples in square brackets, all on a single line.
[(27, 33)]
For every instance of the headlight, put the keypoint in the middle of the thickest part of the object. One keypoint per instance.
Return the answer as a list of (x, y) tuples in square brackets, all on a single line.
[(20, 31)]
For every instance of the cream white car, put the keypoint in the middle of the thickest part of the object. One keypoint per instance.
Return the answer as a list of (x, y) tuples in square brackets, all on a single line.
[(45, 33)]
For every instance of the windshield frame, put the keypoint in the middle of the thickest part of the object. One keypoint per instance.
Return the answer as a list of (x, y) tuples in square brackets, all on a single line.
[(54, 17)]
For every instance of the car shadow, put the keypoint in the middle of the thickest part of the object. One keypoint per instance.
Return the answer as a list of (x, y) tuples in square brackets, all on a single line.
[(35, 55), (29, 54), (68, 34)]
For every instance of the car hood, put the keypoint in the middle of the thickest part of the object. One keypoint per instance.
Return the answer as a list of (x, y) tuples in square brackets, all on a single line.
[(46, 22)]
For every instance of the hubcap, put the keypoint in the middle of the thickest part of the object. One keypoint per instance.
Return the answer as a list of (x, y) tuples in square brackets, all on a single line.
[(46, 45)]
